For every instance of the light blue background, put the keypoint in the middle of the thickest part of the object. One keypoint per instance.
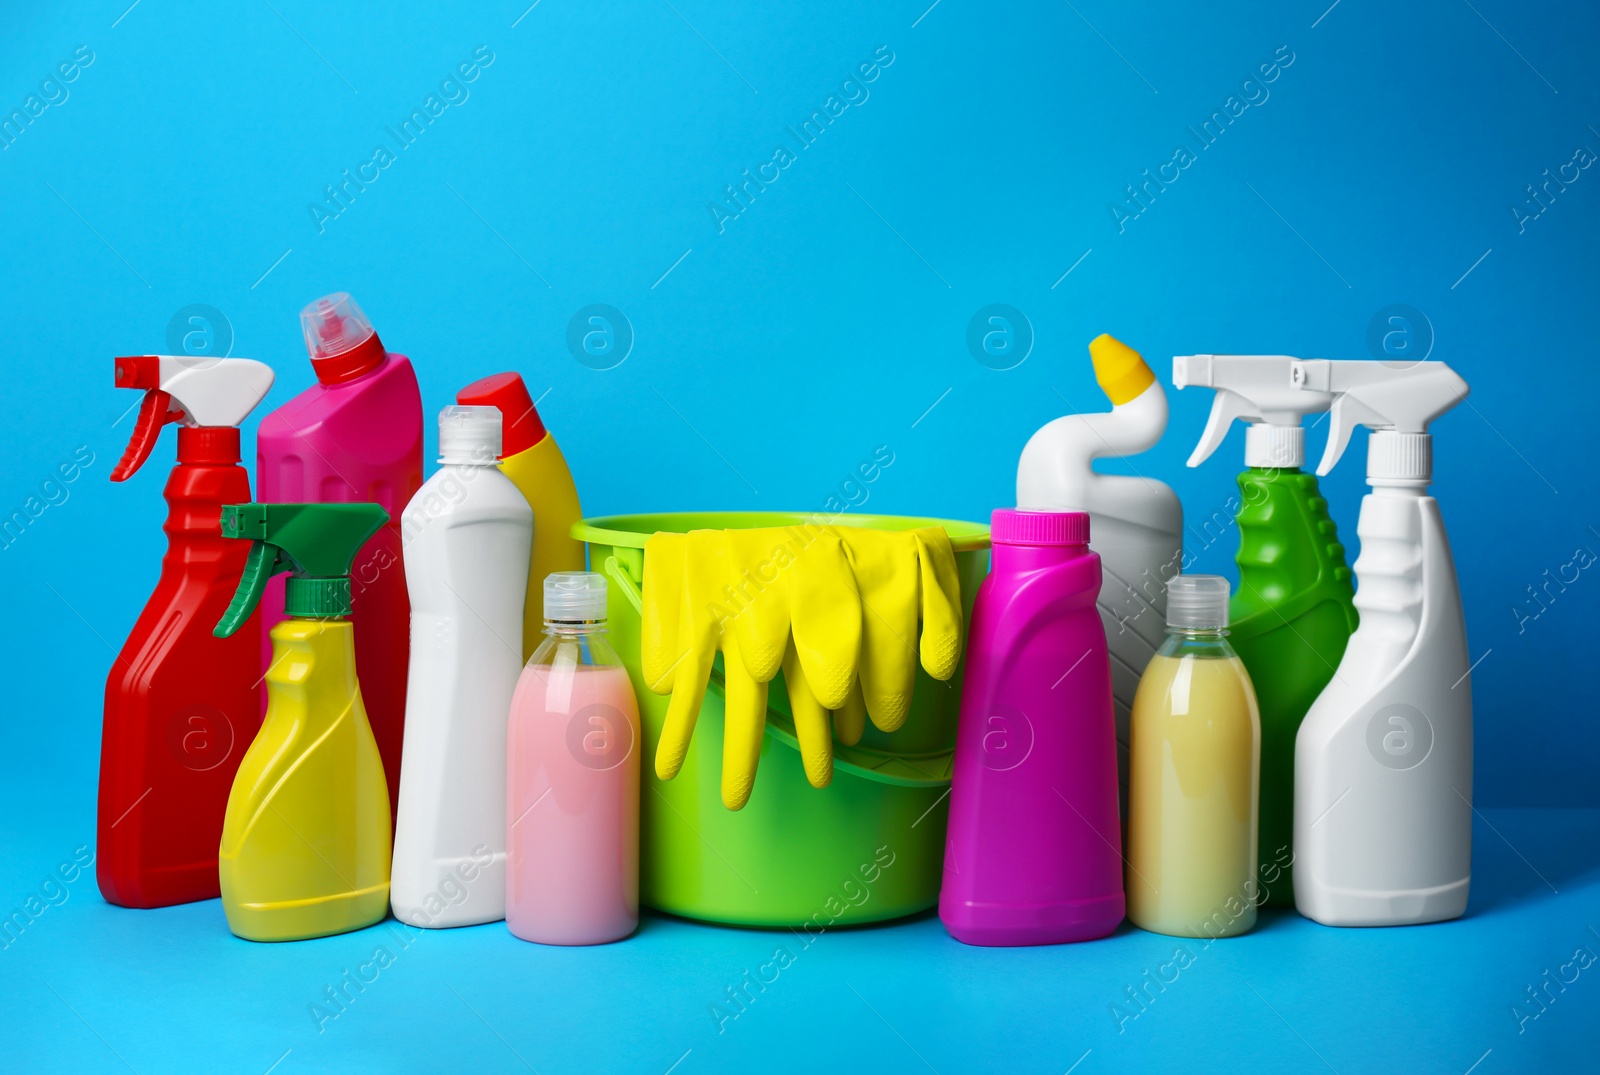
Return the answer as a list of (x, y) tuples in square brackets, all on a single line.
[(769, 359)]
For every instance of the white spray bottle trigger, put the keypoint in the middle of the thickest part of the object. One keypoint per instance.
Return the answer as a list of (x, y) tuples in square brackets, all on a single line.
[(1252, 388), (190, 390), (1224, 409), (1378, 395)]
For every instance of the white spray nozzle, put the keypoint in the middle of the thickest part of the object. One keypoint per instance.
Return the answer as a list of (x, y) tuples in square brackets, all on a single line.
[(1256, 389), (1384, 397), (189, 390)]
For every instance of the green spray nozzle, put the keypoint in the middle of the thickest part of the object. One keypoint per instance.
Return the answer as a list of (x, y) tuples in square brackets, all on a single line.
[(315, 541)]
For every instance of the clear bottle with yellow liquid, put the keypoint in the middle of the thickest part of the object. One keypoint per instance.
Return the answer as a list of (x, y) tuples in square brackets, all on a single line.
[(1194, 775), (306, 837)]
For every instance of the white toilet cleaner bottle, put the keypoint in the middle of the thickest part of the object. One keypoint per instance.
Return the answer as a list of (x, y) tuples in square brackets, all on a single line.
[(1136, 523), (466, 535), (1383, 760)]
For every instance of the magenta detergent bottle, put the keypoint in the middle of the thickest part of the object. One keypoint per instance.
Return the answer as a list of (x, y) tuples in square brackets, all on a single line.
[(1033, 854), (354, 436)]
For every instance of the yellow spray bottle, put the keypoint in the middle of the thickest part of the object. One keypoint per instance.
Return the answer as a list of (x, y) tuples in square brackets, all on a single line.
[(306, 838)]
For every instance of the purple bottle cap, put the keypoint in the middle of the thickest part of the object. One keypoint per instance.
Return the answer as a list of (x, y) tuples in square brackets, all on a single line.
[(1011, 526)]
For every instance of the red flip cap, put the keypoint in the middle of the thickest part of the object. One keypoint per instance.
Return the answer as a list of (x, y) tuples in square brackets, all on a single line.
[(521, 427)]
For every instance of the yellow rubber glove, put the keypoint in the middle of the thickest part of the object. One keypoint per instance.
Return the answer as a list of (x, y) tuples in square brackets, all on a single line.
[(811, 721), (903, 577), (803, 615), (817, 602), (756, 596)]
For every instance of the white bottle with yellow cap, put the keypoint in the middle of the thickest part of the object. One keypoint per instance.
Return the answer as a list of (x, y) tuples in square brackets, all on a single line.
[(1136, 522)]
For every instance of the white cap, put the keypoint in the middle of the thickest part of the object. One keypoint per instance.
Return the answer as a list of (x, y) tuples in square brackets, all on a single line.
[(1197, 602), (574, 597), (1268, 445), (1401, 457), (469, 435)]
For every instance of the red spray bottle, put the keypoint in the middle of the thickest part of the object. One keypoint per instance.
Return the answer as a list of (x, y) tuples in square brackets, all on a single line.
[(181, 705)]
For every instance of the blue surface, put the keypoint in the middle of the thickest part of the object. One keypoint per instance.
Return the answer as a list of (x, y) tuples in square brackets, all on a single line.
[(771, 351), (91, 987)]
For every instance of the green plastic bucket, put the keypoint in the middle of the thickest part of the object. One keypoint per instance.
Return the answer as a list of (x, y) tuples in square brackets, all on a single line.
[(868, 847)]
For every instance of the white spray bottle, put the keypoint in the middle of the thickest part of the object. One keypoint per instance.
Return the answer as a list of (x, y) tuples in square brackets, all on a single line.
[(1136, 523), (1383, 761), (467, 532)]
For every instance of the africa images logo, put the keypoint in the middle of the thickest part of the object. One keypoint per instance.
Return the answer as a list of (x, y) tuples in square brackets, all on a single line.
[(1399, 736)]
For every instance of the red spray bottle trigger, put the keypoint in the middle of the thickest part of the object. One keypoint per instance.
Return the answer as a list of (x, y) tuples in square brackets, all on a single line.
[(186, 389)]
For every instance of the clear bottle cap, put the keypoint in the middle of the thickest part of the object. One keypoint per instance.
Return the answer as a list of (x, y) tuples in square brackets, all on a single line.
[(1197, 602), (573, 597), (469, 435), (333, 325)]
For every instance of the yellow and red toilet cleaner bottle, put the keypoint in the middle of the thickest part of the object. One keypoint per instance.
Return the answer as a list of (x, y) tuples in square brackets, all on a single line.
[(355, 436), (531, 458), (306, 839), (180, 705)]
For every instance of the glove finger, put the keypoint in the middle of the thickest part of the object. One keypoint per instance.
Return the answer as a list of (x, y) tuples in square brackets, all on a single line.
[(850, 719), (810, 722), (744, 722), (941, 603), (703, 565), (825, 611), (757, 562), (659, 654), (682, 711), (885, 569)]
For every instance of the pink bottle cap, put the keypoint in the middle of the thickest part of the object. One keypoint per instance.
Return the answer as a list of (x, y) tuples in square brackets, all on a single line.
[(1010, 526)]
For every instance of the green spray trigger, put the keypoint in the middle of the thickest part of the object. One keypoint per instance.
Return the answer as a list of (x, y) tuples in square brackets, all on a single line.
[(317, 542)]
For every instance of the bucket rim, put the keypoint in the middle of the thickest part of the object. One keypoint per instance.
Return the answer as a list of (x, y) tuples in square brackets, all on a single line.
[(632, 531)]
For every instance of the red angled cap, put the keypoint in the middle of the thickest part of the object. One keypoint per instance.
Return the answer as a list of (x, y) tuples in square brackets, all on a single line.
[(521, 427), (1008, 526), (138, 371)]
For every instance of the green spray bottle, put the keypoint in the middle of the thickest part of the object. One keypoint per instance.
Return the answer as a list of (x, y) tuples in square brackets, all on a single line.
[(1294, 611), (306, 837)]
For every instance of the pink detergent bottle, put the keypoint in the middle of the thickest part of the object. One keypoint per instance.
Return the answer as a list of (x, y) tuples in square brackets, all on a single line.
[(1033, 851), (354, 436)]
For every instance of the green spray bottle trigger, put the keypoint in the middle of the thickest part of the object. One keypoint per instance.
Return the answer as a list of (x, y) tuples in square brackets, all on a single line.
[(317, 542)]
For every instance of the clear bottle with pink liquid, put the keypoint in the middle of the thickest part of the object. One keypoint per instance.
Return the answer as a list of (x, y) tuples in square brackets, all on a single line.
[(572, 778)]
